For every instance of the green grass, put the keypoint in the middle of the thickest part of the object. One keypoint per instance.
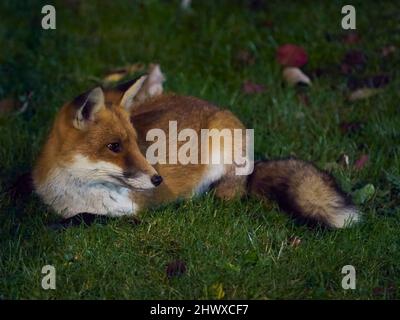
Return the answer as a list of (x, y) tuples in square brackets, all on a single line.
[(242, 246)]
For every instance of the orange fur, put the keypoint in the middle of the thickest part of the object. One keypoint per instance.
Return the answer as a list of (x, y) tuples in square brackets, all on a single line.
[(299, 187)]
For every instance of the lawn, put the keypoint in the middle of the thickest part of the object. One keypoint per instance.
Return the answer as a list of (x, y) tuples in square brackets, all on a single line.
[(238, 250)]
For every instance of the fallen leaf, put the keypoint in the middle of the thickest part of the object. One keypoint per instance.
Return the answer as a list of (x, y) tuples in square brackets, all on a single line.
[(361, 162), (176, 268), (290, 55), (363, 93), (217, 291), (364, 194), (294, 76), (249, 87)]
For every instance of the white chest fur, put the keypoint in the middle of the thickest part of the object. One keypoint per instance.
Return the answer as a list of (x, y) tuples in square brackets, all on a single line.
[(78, 188)]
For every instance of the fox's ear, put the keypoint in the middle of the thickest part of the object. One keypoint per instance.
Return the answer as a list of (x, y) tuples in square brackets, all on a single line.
[(87, 105), (153, 86), (138, 90), (130, 89)]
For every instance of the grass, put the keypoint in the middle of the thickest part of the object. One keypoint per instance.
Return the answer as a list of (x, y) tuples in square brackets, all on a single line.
[(241, 247)]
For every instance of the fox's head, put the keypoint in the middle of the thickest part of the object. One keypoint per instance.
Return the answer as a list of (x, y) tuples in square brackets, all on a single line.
[(94, 141)]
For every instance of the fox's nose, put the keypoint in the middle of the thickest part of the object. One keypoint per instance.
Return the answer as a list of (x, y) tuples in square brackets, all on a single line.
[(156, 180)]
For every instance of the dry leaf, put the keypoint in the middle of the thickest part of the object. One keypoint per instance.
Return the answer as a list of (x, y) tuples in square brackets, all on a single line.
[(217, 291), (290, 55), (363, 93), (295, 76)]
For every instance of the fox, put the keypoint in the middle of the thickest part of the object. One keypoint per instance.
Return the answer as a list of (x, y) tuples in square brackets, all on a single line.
[(93, 160)]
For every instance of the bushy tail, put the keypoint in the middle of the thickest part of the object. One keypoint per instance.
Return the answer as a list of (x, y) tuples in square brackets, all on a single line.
[(304, 191)]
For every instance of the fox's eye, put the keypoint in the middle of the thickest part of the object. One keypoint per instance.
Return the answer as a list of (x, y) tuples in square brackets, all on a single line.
[(114, 147)]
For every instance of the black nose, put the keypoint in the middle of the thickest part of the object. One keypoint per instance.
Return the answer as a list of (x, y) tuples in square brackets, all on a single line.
[(156, 180)]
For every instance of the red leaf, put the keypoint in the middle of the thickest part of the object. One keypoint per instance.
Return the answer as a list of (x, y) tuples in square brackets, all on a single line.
[(290, 55), (252, 88), (361, 162)]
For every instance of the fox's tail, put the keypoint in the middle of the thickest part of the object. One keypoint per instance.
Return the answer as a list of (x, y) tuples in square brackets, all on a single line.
[(304, 191)]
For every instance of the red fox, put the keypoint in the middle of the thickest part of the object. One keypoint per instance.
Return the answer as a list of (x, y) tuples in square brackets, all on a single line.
[(94, 159)]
